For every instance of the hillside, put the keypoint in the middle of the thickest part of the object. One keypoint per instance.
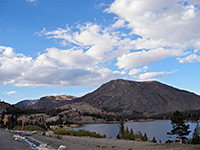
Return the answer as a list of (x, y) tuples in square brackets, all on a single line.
[(4, 107), (26, 103), (49, 102), (140, 98), (85, 108)]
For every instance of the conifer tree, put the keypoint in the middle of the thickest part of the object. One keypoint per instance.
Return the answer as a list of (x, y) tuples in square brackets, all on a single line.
[(196, 136), (121, 121), (179, 127), (154, 140), (145, 137)]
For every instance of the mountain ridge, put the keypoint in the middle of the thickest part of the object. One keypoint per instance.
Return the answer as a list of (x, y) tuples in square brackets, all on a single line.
[(127, 97), (49, 102)]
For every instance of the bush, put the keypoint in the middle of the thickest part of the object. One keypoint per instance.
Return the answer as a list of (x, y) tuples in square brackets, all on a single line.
[(154, 140), (129, 135), (30, 128), (61, 131)]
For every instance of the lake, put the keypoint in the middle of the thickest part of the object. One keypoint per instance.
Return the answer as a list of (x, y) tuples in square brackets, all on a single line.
[(158, 129)]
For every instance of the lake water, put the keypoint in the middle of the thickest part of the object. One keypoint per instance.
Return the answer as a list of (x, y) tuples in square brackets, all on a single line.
[(158, 129)]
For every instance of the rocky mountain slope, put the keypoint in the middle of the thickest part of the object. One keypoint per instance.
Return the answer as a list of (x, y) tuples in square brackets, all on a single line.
[(49, 102), (85, 108), (69, 113), (26, 103), (140, 98)]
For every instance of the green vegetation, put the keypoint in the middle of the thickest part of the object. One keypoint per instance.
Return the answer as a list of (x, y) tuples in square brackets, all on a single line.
[(61, 131), (179, 127), (154, 140), (196, 136), (129, 135), (30, 128)]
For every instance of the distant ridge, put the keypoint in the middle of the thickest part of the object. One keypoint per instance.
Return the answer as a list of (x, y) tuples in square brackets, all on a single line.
[(125, 97), (49, 102), (140, 98), (26, 103)]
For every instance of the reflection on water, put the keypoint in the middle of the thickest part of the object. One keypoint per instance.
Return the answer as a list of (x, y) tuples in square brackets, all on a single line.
[(158, 129)]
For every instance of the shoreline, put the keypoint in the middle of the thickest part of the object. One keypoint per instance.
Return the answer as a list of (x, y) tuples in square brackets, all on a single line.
[(87, 143)]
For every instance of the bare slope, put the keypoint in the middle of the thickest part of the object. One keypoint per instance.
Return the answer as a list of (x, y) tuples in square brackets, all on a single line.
[(147, 98), (49, 102)]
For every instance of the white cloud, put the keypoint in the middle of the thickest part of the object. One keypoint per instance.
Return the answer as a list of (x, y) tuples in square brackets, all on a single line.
[(191, 59), (153, 75), (54, 68), (165, 29), (11, 93), (101, 44), (169, 23), (141, 58), (134, 72)]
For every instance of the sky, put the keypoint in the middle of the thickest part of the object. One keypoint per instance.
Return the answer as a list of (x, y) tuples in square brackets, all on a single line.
[(53, 47)]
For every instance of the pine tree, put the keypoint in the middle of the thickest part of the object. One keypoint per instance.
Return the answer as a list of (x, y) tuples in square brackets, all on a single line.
[(196, 136), (121, 128), (154, 140), (179, 127), (145, 137)]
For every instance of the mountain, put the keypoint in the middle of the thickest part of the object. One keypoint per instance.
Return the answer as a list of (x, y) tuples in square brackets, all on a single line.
[(49, 102), (4, 107), (26, 103), (140, 98)]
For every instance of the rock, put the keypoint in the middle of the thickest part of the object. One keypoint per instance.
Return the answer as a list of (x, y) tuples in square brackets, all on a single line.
[(44, 147), (49, 133), (18, 138), (62, 147)]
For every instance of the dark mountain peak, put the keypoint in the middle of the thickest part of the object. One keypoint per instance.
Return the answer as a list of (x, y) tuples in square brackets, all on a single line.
[(149, 97)]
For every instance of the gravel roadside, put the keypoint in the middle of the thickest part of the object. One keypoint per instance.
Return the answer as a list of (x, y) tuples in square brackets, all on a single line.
[(7, 142), (86, 143)]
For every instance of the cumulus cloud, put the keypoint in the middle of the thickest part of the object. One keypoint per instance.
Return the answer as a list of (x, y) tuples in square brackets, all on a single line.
[(99, 43), (191, 59), (55, 67), (156, 30), (134, 72), (172, 22), (141, 58)]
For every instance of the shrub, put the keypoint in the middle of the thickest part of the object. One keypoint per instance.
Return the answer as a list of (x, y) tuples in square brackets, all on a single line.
[(114, 146), (61, 131), (169, 141), (30, 128), (153, 140)]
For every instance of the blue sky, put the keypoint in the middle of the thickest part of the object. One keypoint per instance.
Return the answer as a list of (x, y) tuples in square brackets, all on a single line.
[(73, 46)]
